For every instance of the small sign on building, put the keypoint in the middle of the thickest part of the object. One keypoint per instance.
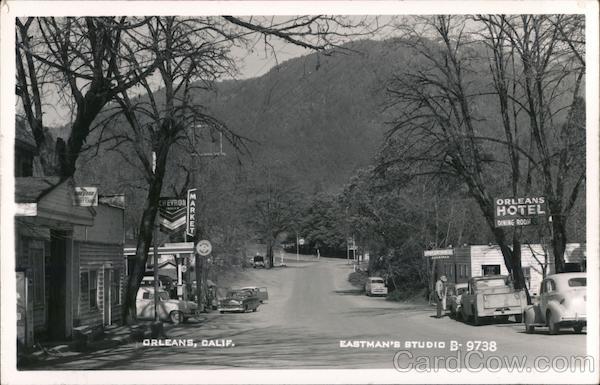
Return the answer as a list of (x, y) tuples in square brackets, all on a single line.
[(519, 211), (439, 253), (85, 196)]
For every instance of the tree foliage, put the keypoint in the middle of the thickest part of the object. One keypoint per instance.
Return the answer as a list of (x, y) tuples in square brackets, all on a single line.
[(504, 137)]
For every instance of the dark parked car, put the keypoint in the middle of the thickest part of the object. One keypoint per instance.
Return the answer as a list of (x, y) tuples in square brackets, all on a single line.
[(259, 261), (240, 301)]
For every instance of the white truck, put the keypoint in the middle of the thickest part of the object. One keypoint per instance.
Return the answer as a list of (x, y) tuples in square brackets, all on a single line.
[(492, 296), (173, 310)]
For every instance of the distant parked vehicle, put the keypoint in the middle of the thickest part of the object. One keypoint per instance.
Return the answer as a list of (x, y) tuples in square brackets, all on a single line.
[(491, 296), (562, 303), (375, 286), (260, 292), (239, 301), (259, 261), (168, 309), (455, 299)]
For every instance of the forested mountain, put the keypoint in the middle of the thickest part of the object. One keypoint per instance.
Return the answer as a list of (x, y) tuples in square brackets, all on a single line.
[(310, 122), (315, 118)]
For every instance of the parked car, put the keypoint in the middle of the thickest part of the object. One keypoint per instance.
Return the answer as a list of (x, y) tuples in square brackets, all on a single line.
[(168, 309), (492, 296), (562, 303), (375, 286), (239, 300), (454, 302), (260, 292), (259, 261)]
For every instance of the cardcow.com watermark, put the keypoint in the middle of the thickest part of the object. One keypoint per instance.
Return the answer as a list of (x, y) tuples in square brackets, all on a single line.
[(475, 361)]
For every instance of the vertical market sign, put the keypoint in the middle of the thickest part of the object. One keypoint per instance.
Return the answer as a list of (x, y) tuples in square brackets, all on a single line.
[(522, 211), (191, 213), (172, 214)]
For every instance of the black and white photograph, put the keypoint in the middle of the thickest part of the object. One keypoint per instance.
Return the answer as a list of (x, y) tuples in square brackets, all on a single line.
[(299, 192)]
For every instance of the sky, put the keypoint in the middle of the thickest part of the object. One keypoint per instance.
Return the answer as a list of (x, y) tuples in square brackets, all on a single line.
[(252, 61)]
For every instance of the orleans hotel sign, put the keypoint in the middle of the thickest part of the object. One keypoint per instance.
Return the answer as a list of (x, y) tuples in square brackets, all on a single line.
[(523, 211)]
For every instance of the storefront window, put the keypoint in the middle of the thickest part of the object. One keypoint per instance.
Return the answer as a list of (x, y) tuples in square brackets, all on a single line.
[(490, 269)]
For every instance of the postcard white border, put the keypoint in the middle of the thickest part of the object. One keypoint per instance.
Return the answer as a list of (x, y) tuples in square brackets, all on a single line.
[(11, 9)]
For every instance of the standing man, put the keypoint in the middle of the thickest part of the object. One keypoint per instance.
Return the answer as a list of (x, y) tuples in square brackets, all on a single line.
[(440, 295)]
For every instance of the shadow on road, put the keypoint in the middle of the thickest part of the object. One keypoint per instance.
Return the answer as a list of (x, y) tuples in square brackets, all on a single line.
[(350, 292)]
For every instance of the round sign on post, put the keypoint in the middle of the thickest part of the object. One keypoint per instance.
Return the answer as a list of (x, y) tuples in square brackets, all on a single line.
[(301, 241), (204, 247)]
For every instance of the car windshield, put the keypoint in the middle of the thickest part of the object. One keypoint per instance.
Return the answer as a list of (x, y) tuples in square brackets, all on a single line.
[(577, 282), (377, 281), (460, 290), (238, 294), (483, 284)]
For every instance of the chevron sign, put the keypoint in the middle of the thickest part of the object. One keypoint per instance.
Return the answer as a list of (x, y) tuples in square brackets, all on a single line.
[(172, 214)]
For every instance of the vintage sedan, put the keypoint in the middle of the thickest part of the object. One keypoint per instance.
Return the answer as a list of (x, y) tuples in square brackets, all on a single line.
[(260, 292), (239, 301), (455, 299), (562, 303), (168, 309), (375, 286)]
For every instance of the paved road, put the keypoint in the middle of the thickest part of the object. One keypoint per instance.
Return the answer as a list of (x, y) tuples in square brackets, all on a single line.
[(312, 311)]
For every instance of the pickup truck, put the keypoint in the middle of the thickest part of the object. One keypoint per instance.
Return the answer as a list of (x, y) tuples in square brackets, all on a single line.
[(561, 303), (492, 296)]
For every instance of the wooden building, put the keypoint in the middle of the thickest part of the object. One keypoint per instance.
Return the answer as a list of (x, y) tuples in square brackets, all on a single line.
[(461, 263), (71, 256)]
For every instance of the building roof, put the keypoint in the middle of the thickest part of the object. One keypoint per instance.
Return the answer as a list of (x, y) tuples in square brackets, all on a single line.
[(31, 189), (23, 136)]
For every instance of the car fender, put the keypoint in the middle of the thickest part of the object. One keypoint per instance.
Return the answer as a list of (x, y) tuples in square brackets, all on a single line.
[(533, 315), (556, 309)]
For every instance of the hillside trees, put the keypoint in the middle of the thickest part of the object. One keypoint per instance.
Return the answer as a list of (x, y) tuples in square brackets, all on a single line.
[(323, 225), (273, 207), (493, 137), (395, 222)]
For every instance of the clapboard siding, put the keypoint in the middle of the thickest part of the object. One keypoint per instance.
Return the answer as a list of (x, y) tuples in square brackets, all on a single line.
[(534, 257), (108, 225), (98, 257), (486, 255), (58, 205)]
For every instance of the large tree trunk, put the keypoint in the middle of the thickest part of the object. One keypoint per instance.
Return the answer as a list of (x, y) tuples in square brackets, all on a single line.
[(145, 236), (270, 252), (559, 243)]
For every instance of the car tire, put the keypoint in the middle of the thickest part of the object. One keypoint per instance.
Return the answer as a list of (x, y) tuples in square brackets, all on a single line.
[(255, 309), (176, 317), (578, 329), (222, 312), (518, 318), (529, 329), (245, 308), (552, 326), (476, 318)]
